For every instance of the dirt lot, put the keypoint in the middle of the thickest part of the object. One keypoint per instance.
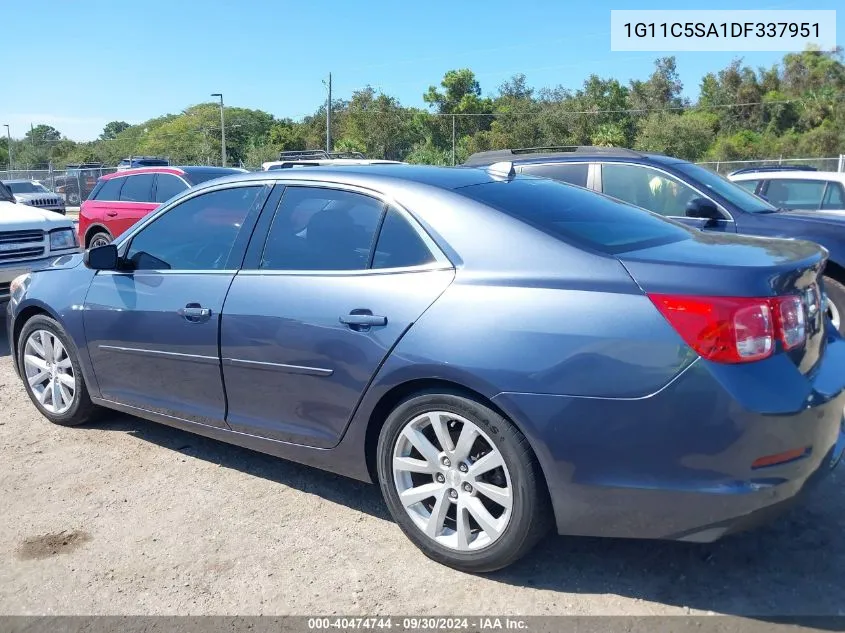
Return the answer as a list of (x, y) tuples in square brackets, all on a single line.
[(132, 517)]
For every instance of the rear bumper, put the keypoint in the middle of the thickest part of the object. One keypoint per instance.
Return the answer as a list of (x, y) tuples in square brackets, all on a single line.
[(678, 464)]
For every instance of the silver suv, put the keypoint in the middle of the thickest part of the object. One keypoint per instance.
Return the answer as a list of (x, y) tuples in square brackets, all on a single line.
[(35, 194)]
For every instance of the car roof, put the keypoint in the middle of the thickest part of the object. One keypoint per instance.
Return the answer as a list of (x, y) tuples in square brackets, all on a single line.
[(384, 176), (529, 155), (17, 180), (177, 170), (328, 161), (791, 174)]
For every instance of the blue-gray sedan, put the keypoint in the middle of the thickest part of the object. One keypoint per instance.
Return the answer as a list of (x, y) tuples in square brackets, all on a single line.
[(501, 353)]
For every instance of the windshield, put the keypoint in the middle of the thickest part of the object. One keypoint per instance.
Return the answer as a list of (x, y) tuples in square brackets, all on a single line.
[(27, 187), (731, 192), (577, 215)]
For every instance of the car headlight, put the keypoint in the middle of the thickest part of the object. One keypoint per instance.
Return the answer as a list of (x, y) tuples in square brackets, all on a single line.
[(18, 286), (62, 239)]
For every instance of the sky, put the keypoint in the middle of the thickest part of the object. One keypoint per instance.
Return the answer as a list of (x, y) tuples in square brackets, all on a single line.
[(78, 65)]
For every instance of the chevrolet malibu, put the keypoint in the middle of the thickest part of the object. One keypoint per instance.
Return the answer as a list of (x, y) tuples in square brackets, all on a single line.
[(500, 353)]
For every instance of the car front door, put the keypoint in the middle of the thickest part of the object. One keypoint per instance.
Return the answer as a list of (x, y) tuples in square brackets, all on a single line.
[(660, 192), (318, 307), (152, 327)]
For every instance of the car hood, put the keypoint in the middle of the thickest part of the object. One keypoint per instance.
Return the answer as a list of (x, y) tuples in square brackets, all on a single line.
[(14, 217), (26, 197)]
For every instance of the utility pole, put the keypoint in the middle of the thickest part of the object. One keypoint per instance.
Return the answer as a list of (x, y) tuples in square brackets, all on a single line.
[(9, 137), (453, 140), (329, 117), (222, 129), (31, 135)]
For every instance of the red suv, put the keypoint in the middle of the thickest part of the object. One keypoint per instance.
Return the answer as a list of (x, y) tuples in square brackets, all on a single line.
[(121, 199)]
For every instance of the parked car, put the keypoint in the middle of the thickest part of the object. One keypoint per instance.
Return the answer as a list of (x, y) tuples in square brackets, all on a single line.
[(499, 352), (30, 238), (121, 199), (142, 161), (78, 181), (807, 190), (687, 193), (35, 194)]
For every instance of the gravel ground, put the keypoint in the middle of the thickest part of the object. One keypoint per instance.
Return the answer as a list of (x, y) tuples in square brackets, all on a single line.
[(130, 517)]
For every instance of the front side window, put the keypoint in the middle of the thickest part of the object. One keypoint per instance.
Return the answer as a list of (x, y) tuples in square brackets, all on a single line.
[(647, 188), (138, 188), (322, 229), (834, 197), (573, 173), (796, 194), (197, 234), (167, 186)]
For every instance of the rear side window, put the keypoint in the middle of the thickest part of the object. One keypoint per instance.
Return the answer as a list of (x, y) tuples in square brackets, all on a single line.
[(573, 173), (748, 185), (399, 244), (577, 215), (110, 191), (167, 186), (322, 229), (138, 188), (834, 197), (796, 194)]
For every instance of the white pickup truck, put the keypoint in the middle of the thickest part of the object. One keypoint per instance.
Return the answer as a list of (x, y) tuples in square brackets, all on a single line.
[(30, 238)]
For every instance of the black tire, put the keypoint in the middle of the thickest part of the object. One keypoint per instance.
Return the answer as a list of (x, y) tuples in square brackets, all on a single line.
[(99, 235), (82, 410), (530, 513), (836, 295)]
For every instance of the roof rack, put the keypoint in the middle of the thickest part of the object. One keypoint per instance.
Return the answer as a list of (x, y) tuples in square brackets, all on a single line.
[(346, 155), (494, 156), (304, 154), (764, 168)]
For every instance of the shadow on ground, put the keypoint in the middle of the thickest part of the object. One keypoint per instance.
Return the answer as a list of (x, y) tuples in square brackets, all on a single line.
[(792, 567)]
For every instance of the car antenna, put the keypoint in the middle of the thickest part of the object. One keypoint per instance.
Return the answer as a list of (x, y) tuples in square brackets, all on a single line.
[(503, 168)]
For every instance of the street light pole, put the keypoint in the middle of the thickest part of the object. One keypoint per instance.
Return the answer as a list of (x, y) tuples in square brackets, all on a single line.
[(9, 146), (222, 130)]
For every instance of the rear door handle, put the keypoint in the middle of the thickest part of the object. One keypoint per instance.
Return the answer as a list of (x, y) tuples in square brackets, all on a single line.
[(111, 214), (362, 319), (195, 313)]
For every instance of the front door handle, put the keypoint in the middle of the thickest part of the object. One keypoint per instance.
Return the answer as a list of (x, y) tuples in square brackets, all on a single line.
[(362, 320), (195, 313)]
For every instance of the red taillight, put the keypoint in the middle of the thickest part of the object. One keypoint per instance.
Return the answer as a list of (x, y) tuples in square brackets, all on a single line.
[(734, 329)]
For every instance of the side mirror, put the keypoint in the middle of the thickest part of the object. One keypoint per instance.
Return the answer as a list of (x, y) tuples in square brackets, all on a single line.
[(102, 257), (702, 208)]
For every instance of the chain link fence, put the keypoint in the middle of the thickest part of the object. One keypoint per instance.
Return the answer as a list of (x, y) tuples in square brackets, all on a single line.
[(726, 167), (73, 184)]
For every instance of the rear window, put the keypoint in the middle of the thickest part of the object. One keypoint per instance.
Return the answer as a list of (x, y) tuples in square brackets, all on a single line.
[(196, 176), (576, 215), (138, 188), (573, 173)]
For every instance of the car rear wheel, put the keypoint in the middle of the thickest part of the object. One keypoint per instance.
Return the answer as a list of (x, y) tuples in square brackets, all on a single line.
[(99, 239), (462, 482), (51, 373), (835, 292), (73, 198)]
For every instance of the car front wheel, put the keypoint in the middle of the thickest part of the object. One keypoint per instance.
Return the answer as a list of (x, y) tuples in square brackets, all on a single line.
[(51, 373), (461, 481)]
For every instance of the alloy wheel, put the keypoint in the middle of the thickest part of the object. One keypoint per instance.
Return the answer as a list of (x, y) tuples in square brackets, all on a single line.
[(832, 312), (49, 372), (452, 481), (99, 241)]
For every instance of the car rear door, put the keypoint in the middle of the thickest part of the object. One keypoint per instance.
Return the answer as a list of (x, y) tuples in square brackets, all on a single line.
[(318, 307), (135, 202), (152, 327)]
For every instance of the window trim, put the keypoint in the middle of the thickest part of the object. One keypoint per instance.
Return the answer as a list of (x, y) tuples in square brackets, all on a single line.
[(729, 218), (255, 250), (124, 242)]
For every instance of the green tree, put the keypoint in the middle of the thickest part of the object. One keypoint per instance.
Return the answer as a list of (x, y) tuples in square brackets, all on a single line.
[(112, 129), (686, 135)]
